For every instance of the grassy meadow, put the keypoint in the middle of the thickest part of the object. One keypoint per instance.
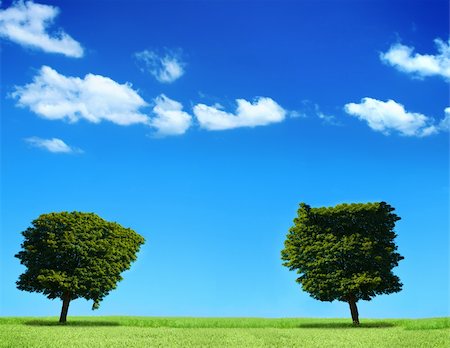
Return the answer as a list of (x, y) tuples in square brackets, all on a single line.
[(222, 332)]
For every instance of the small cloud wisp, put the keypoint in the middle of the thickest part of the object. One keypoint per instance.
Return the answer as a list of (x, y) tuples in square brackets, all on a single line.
[(166, 68), (53, 145)]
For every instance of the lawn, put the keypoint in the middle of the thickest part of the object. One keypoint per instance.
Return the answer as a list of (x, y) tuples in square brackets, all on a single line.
[(222, 332)]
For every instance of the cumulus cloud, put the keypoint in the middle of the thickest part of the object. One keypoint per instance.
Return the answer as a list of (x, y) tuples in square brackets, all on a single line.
[(391, 116), (260, 112), (94, 98), (27, 24), (166, 67), (169, 119), (54, 145), (404, 59)]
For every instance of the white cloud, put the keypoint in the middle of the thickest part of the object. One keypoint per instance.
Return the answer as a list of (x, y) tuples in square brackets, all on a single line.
[(260, 112), (94, 98), (445, 123), (391, 116), (27, 24), (53, 145), (166, 68), (169, 118), (420, 65)]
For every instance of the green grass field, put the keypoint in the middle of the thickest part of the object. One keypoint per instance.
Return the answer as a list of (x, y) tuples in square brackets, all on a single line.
[(222, 332)]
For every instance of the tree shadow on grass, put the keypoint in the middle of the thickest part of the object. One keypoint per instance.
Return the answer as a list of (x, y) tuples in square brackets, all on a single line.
[(78, 323), (370, 325)]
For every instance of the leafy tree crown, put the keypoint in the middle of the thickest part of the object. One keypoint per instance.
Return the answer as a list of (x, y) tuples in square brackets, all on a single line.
[(76, 253), (344, 252)]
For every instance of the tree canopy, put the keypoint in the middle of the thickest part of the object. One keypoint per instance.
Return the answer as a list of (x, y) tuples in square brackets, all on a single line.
[(344, 253), (72, 255)]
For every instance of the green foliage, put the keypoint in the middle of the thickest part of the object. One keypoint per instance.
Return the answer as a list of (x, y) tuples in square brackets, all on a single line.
[(76, 254), (345, 252)]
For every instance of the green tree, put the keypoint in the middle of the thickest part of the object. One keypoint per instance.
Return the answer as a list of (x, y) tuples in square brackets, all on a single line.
[(75, 255), (344, 253)]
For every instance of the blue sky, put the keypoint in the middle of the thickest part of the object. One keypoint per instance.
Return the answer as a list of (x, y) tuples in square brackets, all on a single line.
[(202, 125)]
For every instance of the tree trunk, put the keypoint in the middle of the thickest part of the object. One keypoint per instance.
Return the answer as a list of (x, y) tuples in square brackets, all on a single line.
[(65, 307), (353, 310)]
